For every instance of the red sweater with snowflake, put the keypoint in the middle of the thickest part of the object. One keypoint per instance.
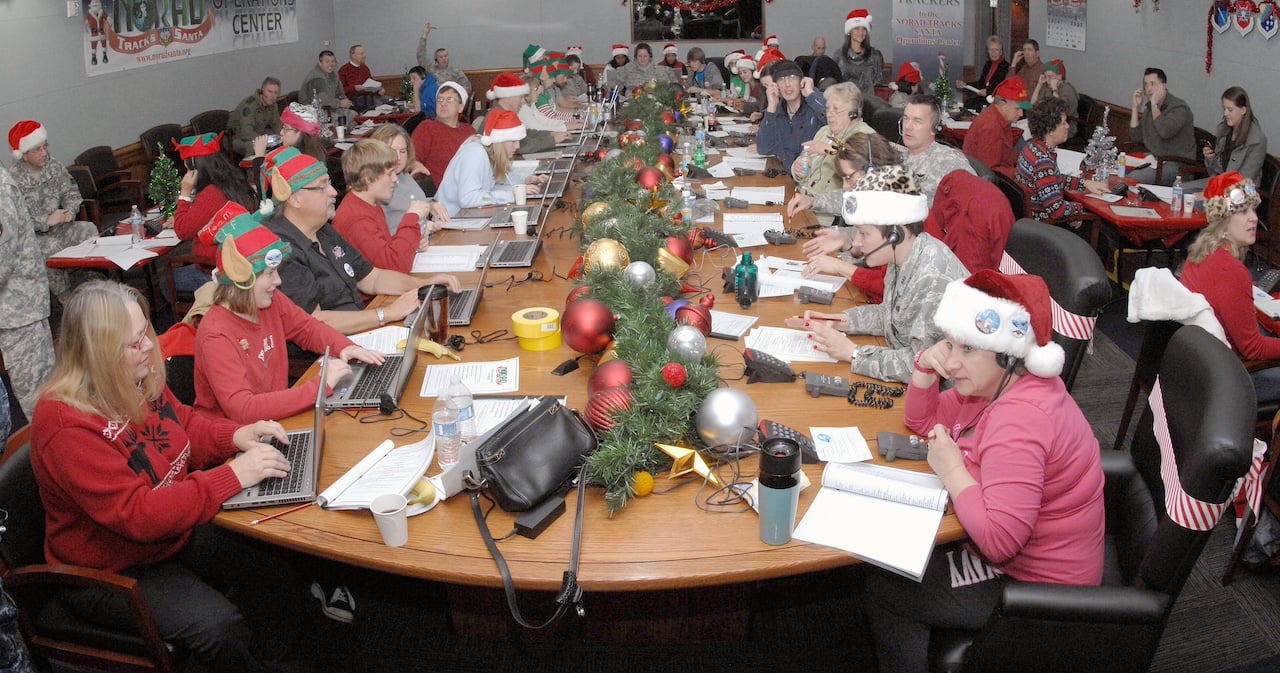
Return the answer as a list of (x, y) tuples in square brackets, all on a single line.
[(117, 495)]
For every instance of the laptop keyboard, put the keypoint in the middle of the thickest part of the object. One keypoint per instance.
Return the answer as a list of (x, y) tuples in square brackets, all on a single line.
[(296, 452), (462, 306), (515, 251), (376, 379)]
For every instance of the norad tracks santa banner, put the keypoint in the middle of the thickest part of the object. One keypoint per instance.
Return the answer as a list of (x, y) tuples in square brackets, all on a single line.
[(922, 29), (124, 34)]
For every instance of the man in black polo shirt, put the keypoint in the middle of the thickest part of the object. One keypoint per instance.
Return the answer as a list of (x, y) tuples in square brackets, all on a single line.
[(326, 275)]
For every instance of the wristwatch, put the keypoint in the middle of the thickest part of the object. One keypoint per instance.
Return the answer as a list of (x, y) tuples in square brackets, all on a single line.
[(382, 315)]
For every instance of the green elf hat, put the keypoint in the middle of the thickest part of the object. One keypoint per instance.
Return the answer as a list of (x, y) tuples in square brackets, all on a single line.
[(286, 170), (198, 146), (247, 249), (532, 53)]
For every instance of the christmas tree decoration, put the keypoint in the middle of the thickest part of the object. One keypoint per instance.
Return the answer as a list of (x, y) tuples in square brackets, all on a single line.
[(667, 143), (602, 407), (605, 253), (633, 124), (576, 293), (1100, 154), (674, 374), (727, 416), (640, 273), (165, 183), (406, 87), (611, 374), (696, 316), (593, 211), (680, 247), (649, 177), (642, 483), (708, 300), (685, 460), (942, 86), (587, 326), (686, 342), (671, 264)]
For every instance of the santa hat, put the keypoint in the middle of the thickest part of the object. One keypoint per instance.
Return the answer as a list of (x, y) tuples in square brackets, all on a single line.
[(1229, 193), (620, 50), (462, 91), (771, 41), (669, 48), (531, 54), (858, 18), (733, 56), (247, 249), (286, 170), (573, 50), (191, 147), (507, 85), (910, 71), (500, 126), (1013, 90), (25, 136), (301, 117), (1057, 66), (744, 61), (1003, 314), (885, 196), (769, 56)]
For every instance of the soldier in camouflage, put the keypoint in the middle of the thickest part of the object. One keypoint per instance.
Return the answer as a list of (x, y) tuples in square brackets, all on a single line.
[(25, 341), (52, 200), (438, 63), (929, 159)]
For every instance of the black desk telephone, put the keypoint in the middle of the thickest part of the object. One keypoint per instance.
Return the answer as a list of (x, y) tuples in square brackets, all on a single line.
[(765, 368)]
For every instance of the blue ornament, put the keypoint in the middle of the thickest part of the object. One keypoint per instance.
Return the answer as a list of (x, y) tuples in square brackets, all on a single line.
[(676, 306), (668, 143)]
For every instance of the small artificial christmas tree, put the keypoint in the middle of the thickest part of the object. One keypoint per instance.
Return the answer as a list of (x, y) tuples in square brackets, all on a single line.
[(165, 183), (1100, 152), (942, 86), (406, 87)]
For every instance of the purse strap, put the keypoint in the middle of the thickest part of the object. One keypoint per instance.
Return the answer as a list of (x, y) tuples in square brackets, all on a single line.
[(570, 594)]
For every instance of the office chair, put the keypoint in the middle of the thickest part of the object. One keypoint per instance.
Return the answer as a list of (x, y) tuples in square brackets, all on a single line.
[(159, 139)]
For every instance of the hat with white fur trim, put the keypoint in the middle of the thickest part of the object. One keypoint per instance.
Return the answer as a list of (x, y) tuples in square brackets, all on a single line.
[(1003, 314), (500, 126), (25, 136), (507, 85), (858, 18), (462, 91), (620, 50), (669, 48)]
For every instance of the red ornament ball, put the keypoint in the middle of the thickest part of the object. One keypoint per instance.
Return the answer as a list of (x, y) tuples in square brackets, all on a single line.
[(575, 294), (680, 247), (708, 300), (611, 374), (668, 117), (674, 374), (665, 161), (602, 406), (587, 325), (697, 315), (697, 238), (634, 124), (649, 177)]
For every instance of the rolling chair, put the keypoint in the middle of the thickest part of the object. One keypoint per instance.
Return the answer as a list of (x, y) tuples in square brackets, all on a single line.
[(113, 187), (159, 139), (105, 208), (1116, 627)]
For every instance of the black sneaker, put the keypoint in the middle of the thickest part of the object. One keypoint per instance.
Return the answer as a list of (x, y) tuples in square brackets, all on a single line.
[(340, 606)]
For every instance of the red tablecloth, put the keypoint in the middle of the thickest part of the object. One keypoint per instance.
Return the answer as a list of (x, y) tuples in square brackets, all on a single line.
[(1168, 227)]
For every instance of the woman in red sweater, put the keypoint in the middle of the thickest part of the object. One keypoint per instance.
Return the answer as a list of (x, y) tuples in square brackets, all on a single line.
[(130, 478), (211, 181), (1214, 270), (242, 362), (369, 168)]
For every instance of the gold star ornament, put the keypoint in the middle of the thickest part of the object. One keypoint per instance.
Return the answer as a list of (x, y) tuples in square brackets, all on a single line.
[(685, 460)]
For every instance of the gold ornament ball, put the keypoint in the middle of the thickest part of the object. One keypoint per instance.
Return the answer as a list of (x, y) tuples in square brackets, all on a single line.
[(591, 212), (642, 483), (605, 253)]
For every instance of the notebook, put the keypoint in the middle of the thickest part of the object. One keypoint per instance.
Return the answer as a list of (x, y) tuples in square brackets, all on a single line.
[(518, 253), (463, 305), (380, 385), (305, 451)]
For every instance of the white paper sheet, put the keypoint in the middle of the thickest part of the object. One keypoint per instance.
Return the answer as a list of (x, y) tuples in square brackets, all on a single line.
[(761, 196), (483, 378), (840, 445), (447, 258), (788, 345), (1131, 211), (730, 325), (384, 340)]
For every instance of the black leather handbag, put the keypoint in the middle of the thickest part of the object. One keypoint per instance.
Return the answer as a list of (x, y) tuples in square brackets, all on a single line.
[(532, 455)]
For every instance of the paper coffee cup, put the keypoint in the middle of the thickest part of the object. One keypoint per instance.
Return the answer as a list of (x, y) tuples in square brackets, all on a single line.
[(1188, 204), (520, 220), (391, 514), (342, 132), (522, 194)]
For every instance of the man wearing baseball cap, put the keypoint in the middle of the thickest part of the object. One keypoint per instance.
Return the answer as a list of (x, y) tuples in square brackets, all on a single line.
[(793, 112), (992, 138)]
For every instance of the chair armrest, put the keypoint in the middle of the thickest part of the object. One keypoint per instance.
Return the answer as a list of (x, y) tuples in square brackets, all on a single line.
[(1103, 604), (91, 211)]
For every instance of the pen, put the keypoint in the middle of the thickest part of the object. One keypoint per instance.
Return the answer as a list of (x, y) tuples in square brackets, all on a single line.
[(277, 515)]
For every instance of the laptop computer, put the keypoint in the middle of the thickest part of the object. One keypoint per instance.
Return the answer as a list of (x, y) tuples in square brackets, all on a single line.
[(305, 451), (379, 386), (463, 304), (518, 253), (502, 216)]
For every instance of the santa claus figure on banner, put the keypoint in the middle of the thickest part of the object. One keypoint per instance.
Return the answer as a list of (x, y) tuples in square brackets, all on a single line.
[(95, 23)]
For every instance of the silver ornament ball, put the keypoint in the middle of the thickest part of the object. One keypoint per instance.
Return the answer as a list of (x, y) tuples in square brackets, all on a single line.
[(727, 416), (640, 273), (687, 342)]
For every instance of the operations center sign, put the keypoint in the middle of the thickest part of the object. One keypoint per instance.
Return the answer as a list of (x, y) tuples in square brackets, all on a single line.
[(923, 29), (125, 34)]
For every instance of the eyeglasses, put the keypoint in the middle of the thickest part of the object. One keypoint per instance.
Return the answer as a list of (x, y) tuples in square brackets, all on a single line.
[(786, 78), (141, 342)]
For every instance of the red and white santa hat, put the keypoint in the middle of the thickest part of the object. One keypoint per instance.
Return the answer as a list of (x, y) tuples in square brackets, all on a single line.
[(669, 48), (910, 71), (573, 50), (767, 57), (507, 85), (500, 126), (732, 57), (25, 136), (771, 41), (858, 18), (620, 50), (1003, 314), (461, 91), (744, 61)]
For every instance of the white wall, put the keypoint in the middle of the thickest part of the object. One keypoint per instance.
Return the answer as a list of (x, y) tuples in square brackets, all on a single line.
[(42, 78)]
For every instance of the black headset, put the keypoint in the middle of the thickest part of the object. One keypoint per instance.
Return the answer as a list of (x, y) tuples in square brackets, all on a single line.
[(1008, 362), (894, 234)]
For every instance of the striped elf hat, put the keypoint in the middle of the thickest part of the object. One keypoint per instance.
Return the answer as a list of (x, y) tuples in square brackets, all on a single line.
[(286, 170), (198, 146), (247, 249)]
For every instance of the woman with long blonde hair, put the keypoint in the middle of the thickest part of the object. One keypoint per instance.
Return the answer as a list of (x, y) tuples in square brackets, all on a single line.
[(481, 174)]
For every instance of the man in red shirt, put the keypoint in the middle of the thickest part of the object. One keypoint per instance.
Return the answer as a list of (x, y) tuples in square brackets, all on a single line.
[(992, 139), (354, 74)]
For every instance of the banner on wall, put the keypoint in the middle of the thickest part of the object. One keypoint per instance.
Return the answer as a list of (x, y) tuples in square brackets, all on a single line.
[(125, 34), (1064, 26), (923, 29)]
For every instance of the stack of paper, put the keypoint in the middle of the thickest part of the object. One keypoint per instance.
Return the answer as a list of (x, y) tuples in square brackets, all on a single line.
[(371, 84), (761, 196), (387, 340), (780, 276), (788, 345), (730, 326), (447, 258), (747, 229), (124, 251)]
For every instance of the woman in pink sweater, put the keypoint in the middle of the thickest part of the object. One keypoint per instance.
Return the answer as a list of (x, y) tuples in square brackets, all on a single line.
[(242, 359), (1014, 452), (130, 478)]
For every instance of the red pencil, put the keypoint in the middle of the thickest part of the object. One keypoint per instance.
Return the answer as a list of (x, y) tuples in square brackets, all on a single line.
[(277, 515)]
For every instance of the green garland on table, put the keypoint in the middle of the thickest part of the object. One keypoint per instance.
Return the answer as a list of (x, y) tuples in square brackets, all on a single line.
[(641, 220)]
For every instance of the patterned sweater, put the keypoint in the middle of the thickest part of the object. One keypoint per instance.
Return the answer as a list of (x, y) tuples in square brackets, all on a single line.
[(1038, 174)]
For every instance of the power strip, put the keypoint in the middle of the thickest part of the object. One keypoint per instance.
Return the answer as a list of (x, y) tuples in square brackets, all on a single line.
[(530, 524)]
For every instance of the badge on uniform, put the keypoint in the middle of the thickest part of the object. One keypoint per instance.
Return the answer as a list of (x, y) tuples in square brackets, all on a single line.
[(338, 252), (350, 271)]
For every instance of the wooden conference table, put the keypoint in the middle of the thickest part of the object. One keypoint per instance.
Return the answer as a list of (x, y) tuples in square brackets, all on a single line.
[(660, 542)]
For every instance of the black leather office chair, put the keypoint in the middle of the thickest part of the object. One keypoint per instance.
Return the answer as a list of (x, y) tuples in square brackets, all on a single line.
[(981, 169), (886, 121), (210, 121), (159, 139), (105, 208), (1076, 280), (1116, 627), (114, 187), (51, 630)]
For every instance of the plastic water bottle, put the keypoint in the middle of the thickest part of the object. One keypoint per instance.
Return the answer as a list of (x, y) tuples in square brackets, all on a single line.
[(461, 401), (1120, 167), (686, 210), (1176, 202), (135, 222), (444, 424)]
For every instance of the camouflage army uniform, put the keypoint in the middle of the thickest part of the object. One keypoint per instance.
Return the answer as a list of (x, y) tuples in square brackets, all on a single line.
[(932, 165), (427, 60), (50, 189), (249, 120), (24, 299), (905, 318)]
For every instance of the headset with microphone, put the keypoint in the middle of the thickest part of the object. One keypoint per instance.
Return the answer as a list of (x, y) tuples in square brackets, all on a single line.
[(894, 235)]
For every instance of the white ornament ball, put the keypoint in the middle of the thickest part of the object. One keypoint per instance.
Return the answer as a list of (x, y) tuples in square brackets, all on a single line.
[(640, 273), (687, 342), (727, 416)]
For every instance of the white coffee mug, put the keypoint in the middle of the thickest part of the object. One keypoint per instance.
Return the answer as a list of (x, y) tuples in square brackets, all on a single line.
[(521, 193), (520, 220), (391, 514)]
